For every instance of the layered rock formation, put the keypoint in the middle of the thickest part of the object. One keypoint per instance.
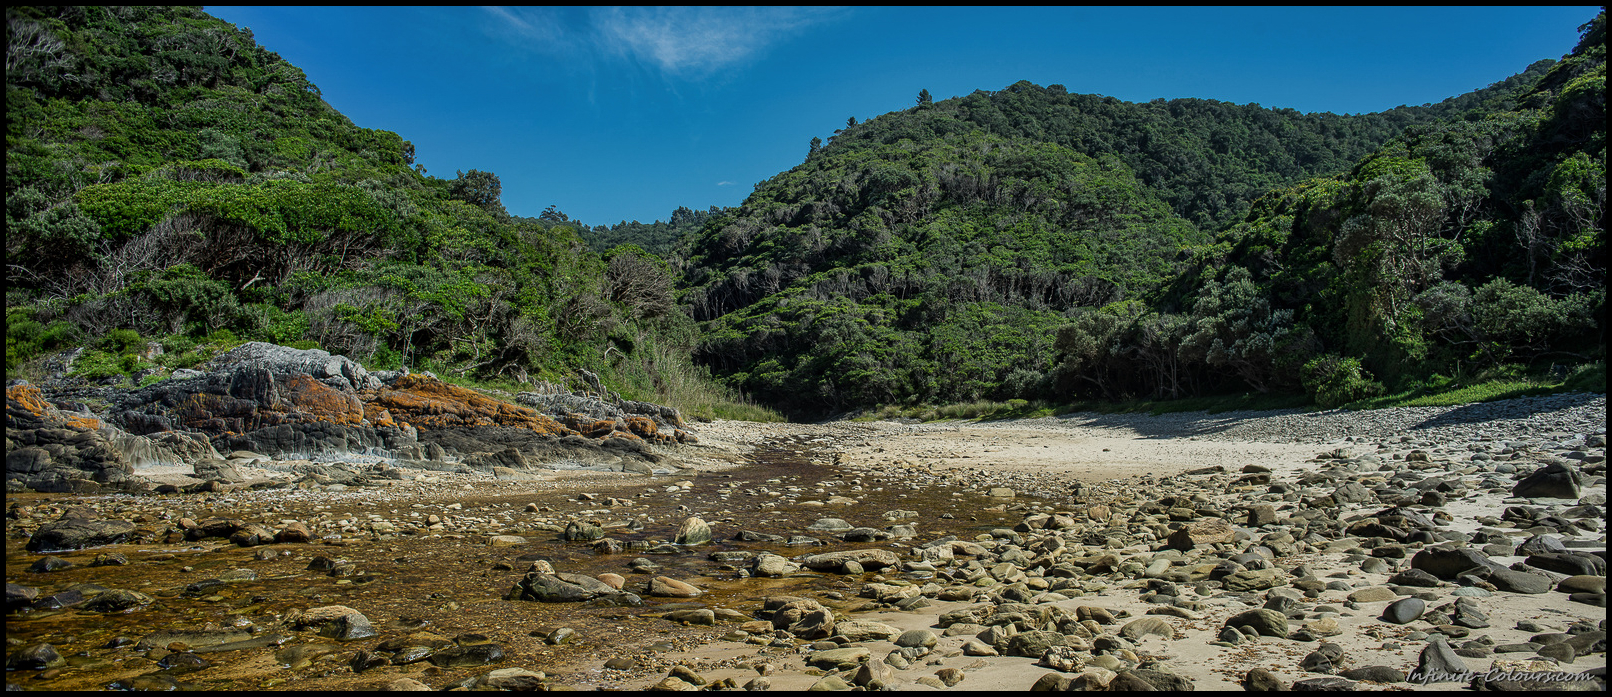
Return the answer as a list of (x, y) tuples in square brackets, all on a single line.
[(308, 404)]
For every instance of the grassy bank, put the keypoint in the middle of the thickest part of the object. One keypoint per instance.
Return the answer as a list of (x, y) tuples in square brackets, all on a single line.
[(1485, 387)]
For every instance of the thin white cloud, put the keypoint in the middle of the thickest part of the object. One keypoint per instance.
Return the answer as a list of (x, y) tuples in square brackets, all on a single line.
[(724, 183), (697, 40), (678, 41)]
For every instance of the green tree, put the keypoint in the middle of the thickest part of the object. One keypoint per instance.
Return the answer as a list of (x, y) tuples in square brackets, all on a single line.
[(480, 189)]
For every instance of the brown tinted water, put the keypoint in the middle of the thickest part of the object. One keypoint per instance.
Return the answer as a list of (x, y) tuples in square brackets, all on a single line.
[(455, 588)]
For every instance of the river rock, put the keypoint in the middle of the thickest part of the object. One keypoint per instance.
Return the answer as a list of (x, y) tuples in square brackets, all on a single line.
[(1033, 643), (1266, 622), (1377, 674), (805, 618), (333, 621), (117, 600), (870, 559), (1254, 580), (1373, 594), (1197, 533), (839, 659), (1519, 581), (663, 587), (463, 656), (697, 616), (1147, 626), (513, 680), (581, 531), (1448, 563), (1262, 680), (768, 565), (693, 531), (546, 587), (914, 638), (866, 630), (1404, 611), (1568, 563), (830, 525), (35, 657), (79, 533), (1582, 584)]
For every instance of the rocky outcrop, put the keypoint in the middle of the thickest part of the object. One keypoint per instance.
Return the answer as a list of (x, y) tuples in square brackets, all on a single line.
[(286, 402), (54, 451), (596, 418)]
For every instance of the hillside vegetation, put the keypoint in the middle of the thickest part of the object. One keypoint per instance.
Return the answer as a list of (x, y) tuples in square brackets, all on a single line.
[(168, 179), (1040, 245), (171, 181)]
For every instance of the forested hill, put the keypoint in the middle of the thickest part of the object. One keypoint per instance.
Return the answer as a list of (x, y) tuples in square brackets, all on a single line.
[(1031, 243), (171, 181), (1207, 159)]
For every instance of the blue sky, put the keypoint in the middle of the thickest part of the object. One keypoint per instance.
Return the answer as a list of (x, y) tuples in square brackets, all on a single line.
[(626, 113)]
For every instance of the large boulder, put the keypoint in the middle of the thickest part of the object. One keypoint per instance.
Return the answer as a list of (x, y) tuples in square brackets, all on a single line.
[(1557, 480), (545, 587), (79, 533), (804, 618), (333, 621), (1449, 562), (284, 360), (870, 559), (693, 531), (1206, 531), (1265, 622)]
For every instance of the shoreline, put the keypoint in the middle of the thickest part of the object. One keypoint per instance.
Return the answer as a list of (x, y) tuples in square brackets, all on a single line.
[(863, 472)]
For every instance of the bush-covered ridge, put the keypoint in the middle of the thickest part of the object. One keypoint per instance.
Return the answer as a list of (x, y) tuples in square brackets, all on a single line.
[(1039, 245), (170, 179)]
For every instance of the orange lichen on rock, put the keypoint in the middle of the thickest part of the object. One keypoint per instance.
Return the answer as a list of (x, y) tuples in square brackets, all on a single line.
[(84, 423), (378, 415), (428, 404), (299, 399), (316, 401), (588, 426), (30, 399), (643, 426)]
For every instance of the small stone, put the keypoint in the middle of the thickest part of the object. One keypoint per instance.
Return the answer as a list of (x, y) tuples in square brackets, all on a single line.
[(1562, 652), (1264, 622), (35, 657), (1373, 594), (1377, 674), (1404, 611), (1261, 680), (917, 638), (1147, 626), (1439, 663), (664, 587)]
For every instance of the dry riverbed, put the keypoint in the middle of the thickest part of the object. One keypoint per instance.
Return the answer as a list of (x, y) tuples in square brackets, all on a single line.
[(1091, 548)]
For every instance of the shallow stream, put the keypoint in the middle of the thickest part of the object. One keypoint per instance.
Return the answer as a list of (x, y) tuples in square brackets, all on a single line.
[(455, 588)]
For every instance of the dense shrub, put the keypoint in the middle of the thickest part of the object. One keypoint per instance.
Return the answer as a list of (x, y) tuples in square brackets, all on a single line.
[(1333, 381)]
